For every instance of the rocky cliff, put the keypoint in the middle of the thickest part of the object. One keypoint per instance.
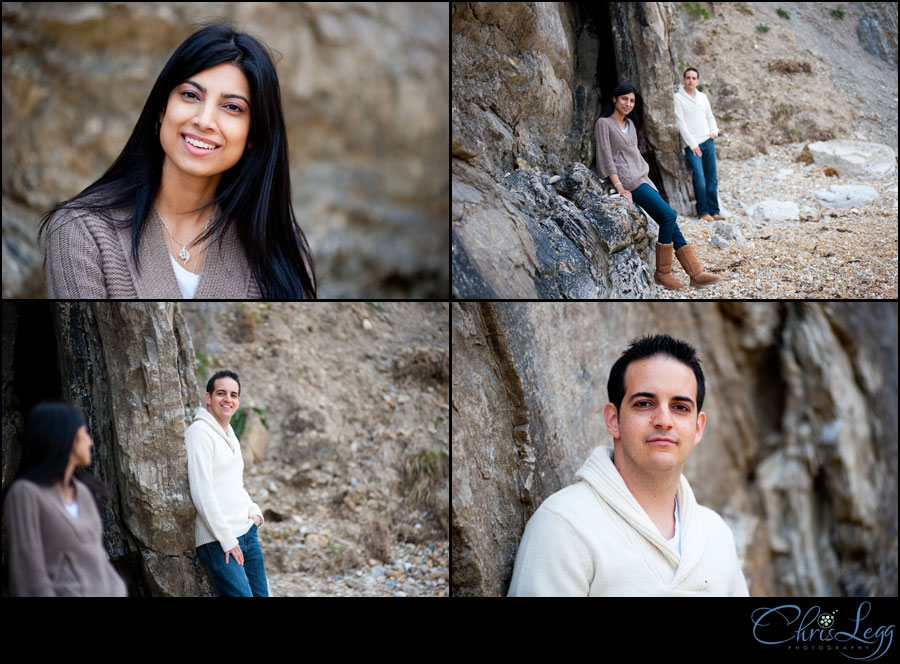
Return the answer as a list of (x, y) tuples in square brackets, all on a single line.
[(529, 80), (798, 456)]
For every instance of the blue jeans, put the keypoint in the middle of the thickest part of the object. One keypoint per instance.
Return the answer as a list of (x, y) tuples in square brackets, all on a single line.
[(233, 580), (649, 199), (706, 182)]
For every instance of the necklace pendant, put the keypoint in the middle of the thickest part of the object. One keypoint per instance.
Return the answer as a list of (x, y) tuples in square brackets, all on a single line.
[(184, 254)]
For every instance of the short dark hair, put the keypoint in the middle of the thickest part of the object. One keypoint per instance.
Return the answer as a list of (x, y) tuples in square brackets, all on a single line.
[(691, 69), (661, 344), (225, 373)]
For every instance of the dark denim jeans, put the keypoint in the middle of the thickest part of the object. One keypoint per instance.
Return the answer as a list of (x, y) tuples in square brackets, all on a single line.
[(706, 182), (649, 199), (233, 580)]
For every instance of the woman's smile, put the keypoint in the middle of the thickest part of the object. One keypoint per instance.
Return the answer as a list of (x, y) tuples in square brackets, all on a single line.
[(196, 146)]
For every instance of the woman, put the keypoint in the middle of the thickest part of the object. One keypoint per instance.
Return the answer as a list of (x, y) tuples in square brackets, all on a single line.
[(55, 532), (619, 159), (198, 204)]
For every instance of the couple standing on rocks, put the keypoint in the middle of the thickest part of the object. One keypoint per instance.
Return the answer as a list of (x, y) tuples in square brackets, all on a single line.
[(619, 159)]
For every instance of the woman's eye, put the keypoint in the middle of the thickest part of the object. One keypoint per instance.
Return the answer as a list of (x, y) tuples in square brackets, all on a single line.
[(191, 95)]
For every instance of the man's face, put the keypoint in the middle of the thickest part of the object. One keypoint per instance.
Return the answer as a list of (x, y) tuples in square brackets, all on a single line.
[(658, 423), (691, 79), (225, 399)]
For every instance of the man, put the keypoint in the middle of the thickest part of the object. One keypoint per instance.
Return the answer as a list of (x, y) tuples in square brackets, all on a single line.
[(226, 523), (698, 130), (630, 525)]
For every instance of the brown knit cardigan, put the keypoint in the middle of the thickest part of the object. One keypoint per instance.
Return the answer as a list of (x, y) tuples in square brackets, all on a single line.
[(52, 553), (618, 153), (87, 257)]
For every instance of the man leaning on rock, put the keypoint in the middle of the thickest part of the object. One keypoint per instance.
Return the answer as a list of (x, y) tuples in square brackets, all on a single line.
[(698, 131), (630, 525), (227, 519)]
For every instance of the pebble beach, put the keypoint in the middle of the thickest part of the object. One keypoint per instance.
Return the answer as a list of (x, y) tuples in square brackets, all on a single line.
[(828, 253)]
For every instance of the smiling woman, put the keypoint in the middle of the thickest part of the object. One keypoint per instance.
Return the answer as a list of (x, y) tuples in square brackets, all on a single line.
[(198, 203)]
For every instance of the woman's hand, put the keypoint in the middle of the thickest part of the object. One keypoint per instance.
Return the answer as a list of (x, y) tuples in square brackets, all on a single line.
[(627, 196)]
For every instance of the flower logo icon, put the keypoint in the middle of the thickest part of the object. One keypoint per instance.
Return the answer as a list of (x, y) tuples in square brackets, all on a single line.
[(826, 620)]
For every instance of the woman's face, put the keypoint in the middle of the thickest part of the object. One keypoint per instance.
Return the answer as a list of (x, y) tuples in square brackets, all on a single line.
[(211, 108), (625, 103), (81, 448)]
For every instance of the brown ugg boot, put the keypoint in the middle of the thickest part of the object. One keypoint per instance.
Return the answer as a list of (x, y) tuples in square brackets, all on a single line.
[(691, 265), (663, 274)]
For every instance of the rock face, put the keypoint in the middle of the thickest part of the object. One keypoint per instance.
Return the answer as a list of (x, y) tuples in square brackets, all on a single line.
[(797, 455), (149, 393), (524, 237), (364, 89), (877, 30)]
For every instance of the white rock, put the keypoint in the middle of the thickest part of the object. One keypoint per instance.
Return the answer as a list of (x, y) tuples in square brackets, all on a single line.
[(845, 195), (774, 211), (854, 157)]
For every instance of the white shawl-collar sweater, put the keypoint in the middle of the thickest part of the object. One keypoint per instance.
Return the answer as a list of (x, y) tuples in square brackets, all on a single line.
[(216, 476), (594, 539), (694, 117)]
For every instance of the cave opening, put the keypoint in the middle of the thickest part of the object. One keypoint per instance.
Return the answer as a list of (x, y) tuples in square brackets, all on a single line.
[(30, 357), (35, 367), (607, 71)]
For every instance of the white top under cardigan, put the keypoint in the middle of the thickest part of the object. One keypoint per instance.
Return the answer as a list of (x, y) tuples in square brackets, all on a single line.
[(694, 117), (187, 280), (594, 539), (216, 476)]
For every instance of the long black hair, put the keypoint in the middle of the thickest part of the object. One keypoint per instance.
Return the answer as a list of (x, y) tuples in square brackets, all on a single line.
[(47, 441), (637, 113), (255, 194)]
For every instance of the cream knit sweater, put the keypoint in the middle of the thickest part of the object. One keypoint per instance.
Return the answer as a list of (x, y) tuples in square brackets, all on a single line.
[(594, 539), (694, 117), (216, 476), (86, 257)]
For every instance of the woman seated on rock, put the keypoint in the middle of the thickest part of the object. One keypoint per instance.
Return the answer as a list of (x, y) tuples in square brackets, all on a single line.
[(619, 159)]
